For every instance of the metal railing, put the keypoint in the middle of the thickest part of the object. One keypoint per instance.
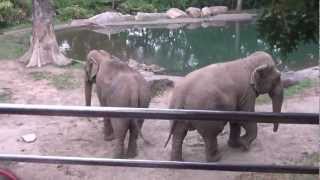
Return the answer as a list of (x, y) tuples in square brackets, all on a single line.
[(172, 114)]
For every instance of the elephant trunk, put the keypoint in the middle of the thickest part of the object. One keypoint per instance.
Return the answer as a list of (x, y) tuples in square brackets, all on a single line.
[(277, 100), (88, 91)]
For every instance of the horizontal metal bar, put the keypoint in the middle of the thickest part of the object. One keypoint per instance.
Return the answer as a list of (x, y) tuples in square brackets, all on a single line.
[(150, 113), (160, 164)]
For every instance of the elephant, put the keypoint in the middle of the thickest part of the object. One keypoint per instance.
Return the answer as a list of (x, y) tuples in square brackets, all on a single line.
[(117, 85), (229, 86)]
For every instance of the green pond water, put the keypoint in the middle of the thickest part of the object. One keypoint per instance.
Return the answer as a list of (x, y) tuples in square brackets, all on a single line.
[(184, 49)]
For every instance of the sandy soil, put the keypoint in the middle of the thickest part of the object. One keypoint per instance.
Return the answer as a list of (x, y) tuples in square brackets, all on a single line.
[(73, 136)]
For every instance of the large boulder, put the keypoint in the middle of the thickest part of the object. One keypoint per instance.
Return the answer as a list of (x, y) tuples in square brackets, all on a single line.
[(174, 13), (107, 17), (213, 10), (218, 9), (150, 16), (193, 12), (205, 12)]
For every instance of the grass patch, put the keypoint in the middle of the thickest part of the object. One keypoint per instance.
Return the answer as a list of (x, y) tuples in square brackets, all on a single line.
[(64, 81), (60, 81), (40, 75), (13, 46), (307, 160), (288, 92)]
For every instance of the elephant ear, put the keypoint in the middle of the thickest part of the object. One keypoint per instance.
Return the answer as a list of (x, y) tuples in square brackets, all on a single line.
[(259, 73)]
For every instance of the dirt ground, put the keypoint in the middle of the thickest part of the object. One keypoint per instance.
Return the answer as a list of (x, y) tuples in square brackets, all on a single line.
[(73, 136)]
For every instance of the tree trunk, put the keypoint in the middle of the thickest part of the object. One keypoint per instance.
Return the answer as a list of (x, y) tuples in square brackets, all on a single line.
[(239, 5), (43, 46)]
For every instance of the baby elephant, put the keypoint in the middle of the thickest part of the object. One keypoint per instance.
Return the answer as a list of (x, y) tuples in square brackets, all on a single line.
[(230, 86), (117, 85)]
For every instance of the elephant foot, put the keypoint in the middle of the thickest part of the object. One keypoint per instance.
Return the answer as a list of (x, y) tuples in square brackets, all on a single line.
[(215, 157), (109, 137), (118, 156), (176, 158), (234, 144), (132, 153), (245, 145)]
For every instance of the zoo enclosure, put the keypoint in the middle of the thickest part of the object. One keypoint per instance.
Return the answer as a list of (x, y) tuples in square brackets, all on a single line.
[(160, 114)]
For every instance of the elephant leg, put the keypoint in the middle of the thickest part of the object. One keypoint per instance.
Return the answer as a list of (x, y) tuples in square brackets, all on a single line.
[(211, 144), (251, 134), (178, 134), (234, 137), (108, 131), (120, 128), (132, 145)]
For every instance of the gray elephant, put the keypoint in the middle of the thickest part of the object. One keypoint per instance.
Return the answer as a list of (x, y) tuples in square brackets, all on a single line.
[(117, 85), (230, 86)]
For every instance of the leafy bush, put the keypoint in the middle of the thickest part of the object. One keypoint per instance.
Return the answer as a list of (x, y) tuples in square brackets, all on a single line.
[(14, 11), (131, 6), (73, 12)]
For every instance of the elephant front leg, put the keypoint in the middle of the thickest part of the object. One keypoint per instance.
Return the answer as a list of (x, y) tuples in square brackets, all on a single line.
[(234, 136), (251, 134), (212, 153), (179, 133), (108, 131)]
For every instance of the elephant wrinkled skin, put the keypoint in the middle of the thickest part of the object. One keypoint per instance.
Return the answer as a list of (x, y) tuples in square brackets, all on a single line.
[(117, 85), (230, 86)]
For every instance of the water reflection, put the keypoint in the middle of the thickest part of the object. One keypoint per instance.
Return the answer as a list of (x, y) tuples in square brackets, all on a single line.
[(184, 49)]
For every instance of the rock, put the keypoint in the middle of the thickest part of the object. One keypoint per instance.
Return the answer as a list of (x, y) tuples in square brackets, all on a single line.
[(150, 16), (213, 10), (218, 9), (205, 12), (29, 138), (174, 13), (81, 22), (107, 17), (147, 68), (193, 12)]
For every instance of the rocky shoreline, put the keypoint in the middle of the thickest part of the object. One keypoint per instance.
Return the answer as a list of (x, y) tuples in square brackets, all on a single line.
[(172, 16)]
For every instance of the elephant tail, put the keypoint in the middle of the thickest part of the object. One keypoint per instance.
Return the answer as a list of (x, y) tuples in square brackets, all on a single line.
[(174, 105), (173, 124)]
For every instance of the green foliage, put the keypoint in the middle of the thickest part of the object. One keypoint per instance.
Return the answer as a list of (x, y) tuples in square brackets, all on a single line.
[(131, 6), (14, 11), (285, 23), (73, 9), (73, 12)]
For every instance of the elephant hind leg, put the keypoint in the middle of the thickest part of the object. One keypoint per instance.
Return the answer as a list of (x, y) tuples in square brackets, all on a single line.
[(209, 136), (108, 130), (178, 135), (120, 128), (234, 137), (132, 144)]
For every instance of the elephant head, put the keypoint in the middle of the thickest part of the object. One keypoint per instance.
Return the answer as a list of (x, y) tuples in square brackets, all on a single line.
[(267, 79), (92, 67)]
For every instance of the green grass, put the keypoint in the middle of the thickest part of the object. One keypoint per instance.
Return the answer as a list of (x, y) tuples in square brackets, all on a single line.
[(13, 46), (291, 91), (306, 160), (60, 81), (64, 81)]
